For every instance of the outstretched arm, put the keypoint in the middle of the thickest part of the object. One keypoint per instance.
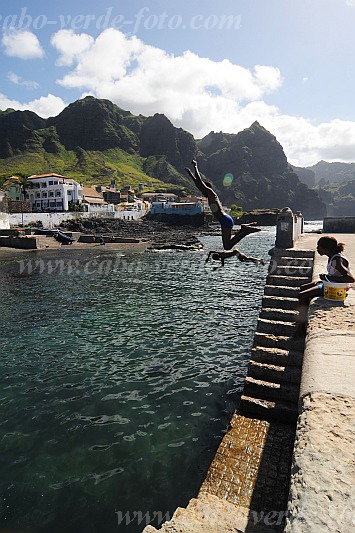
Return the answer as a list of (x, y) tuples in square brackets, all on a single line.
[(200, 184)]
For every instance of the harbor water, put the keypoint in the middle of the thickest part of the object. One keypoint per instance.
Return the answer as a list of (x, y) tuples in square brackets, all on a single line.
[(119, 375)]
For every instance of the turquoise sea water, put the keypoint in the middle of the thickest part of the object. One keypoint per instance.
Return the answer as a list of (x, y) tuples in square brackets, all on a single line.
[(119, 374)]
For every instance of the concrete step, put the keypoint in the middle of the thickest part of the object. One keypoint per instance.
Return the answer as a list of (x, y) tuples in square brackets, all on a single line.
[(276, 302), (289, 281), (284, 315), (279, 342), (269, 410), (211, 514), (295, 261), (291, 252), (267, 390), (274, 373), (276, 290), (275, 327), (289, 270), (277, 356)]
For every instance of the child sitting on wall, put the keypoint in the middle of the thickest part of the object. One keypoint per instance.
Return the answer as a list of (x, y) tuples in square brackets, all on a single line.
[(337, 271)]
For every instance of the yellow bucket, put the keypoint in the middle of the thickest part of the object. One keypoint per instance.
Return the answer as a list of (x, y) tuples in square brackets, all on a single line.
[(335, 291)]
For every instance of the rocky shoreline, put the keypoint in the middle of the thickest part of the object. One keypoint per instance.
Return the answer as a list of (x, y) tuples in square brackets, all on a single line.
[(159, 234)]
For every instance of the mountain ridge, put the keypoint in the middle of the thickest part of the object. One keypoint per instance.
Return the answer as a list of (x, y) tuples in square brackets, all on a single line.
[(96, 141)]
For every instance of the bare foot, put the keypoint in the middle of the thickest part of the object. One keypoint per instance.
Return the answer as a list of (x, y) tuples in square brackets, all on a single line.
[(249, 228)]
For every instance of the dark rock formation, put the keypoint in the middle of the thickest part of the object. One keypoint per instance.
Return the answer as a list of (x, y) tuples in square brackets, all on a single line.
[(96, 125), (159, 137), (248, 169)]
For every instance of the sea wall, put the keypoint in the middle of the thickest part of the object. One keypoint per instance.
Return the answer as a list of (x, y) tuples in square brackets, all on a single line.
[(52, 220), (31, 243), (339, 225)]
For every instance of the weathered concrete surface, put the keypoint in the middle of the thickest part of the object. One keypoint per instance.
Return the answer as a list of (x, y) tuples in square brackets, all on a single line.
[(329, 363), (209, 514), (246, 487), (322, 496), (322, 489)]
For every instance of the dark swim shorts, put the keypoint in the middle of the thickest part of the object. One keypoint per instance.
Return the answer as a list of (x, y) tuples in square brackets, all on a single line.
[(226, 221)]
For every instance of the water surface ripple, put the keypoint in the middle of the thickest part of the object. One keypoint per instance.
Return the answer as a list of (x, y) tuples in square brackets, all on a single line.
[(118, 381)]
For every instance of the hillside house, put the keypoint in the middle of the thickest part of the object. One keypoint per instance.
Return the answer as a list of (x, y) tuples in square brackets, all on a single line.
[(94, 201), (53, 192)]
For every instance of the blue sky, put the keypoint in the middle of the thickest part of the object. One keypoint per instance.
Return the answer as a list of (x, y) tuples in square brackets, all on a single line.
[(206, 65)]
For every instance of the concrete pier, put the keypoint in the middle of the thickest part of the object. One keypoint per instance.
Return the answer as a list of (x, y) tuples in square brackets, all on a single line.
[(293, 436), (322, 494)]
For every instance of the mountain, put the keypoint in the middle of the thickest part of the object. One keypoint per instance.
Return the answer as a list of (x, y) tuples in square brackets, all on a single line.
[(305, 175), (333, 172), (95, 141), (339, 197), (334, 183), (250, 169)]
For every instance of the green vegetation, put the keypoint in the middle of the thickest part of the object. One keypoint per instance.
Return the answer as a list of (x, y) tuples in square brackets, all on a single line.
[(95, 141), (236, 211), (87, 167)]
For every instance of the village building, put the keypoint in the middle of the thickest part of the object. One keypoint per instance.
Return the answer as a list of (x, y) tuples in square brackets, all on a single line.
[(95, 202), (53, 192), (158, 197)]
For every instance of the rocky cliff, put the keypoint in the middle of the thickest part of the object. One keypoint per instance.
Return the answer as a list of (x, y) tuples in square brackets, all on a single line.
[(94, 139)]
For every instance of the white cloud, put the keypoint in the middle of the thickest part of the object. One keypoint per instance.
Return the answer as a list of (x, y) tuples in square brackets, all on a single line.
[(70, 46), (21, 44), (45, 106), (195, 93), (17, 80), (350, 3), (134, 73)]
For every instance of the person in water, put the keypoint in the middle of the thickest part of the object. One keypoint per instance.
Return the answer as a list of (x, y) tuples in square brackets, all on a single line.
[(337, 271), (225, 220)]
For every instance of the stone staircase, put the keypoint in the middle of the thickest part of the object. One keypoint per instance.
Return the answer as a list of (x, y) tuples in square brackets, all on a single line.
[(271, 388), (249, 475)]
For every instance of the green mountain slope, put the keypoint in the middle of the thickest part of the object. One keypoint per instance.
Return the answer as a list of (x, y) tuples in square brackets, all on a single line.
[(95, 141)]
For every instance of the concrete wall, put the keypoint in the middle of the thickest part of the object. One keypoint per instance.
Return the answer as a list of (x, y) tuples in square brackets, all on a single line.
[(339, 225), (31, 243), (4, 217), (52, 220), (321, 495)]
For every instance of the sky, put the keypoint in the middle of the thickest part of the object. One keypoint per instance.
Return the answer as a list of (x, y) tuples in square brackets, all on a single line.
[(207, 65)]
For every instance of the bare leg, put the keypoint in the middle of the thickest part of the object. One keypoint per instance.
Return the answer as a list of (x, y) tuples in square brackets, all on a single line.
[(304, 297), (229, 241), (206, 189)]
